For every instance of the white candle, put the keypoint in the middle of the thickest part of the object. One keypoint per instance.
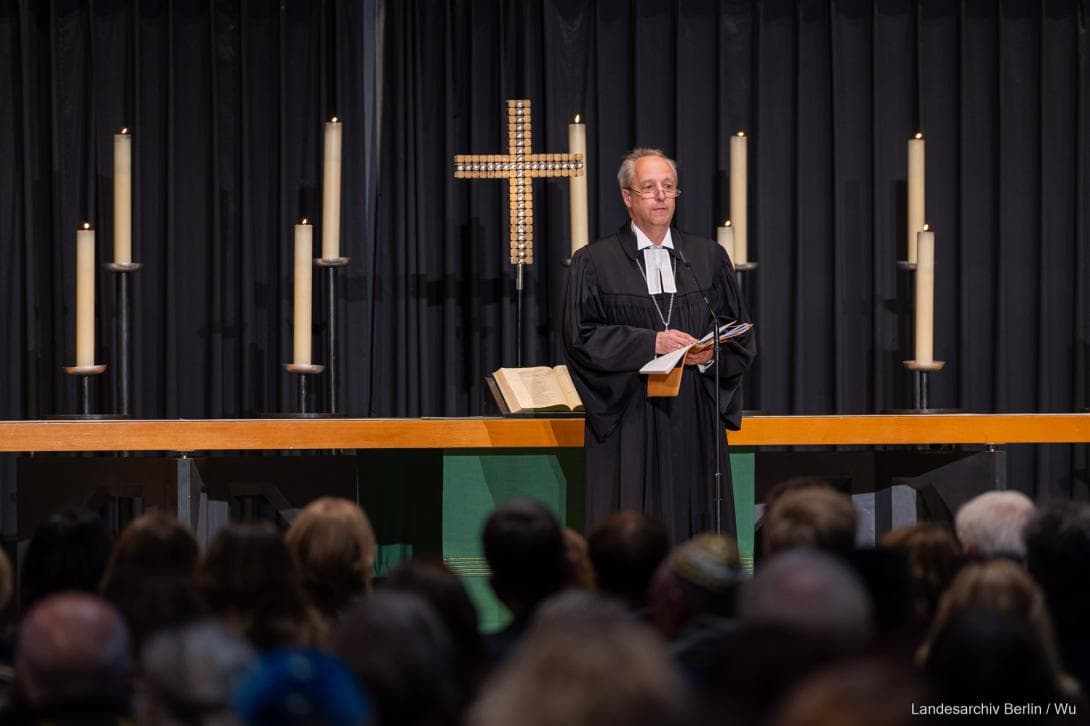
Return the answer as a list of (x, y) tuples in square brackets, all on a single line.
[(331, 191), (577, 186), (915, 192), (304, 254), (123, 197), (738, 198), (925, 295), (724, 234), (85, 296)]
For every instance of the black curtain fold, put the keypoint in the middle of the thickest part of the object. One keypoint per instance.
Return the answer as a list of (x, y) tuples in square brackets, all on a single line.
[(227, 98)]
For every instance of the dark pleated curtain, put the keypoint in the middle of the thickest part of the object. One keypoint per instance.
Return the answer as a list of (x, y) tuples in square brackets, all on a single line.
[(227, 98)]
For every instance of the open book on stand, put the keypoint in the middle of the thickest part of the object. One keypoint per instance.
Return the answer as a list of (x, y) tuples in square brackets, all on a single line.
[(666, 363), (536, 389)]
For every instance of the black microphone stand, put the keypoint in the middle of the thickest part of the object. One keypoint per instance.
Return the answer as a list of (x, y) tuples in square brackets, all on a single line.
[(718, 428)]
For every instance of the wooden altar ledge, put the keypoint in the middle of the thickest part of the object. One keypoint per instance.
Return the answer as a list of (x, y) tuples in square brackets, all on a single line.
[(481, 433)]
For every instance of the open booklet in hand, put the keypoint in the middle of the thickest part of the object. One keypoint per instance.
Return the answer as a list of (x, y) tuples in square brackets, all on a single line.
[(539, 388), (666, 363)]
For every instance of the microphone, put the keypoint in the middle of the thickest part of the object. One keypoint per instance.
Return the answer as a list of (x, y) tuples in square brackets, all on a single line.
[(680, 254)]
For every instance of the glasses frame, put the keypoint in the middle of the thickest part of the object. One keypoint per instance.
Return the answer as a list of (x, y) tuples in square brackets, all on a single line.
[(673, 194)]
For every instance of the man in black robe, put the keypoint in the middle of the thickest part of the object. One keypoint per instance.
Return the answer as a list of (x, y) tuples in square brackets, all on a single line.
[(631, 296)]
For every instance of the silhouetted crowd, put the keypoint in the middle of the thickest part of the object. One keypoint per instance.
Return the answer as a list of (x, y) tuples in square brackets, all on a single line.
[(990, 622)]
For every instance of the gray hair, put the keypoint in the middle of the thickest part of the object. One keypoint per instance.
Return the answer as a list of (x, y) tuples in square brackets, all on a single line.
[(992, 523), (628, 164)]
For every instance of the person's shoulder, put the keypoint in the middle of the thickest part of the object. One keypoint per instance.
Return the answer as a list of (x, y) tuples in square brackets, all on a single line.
[(696, 246), (601, 249)]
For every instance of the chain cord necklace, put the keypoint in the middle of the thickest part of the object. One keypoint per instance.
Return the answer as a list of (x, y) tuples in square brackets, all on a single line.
[(670, 308)]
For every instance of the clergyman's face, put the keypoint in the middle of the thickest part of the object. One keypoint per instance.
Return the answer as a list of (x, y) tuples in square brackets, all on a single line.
[(654, 214)]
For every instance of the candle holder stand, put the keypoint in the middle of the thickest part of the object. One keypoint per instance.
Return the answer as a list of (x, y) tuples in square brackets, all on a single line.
[(740, 268), (906, 265), (330, 266), (123, 337), (83, 390), (303, 370), (921, 371)]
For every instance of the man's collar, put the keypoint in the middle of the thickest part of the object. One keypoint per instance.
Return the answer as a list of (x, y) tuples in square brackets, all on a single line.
[(643, 241)]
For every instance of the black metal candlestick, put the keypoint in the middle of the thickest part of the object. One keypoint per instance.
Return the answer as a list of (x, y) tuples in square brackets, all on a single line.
[(85, 374), (921, 374), (303, 370), (123, 337), (332, 361)]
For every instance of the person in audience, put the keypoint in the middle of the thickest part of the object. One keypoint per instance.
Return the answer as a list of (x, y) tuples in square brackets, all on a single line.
[(981, 655), (1003, 586), (443, 590), (190, 675), (866, 692), (334, 544), (301, 687), (991, 524), (404, 658), (1057, 541), (150, 576), (68, 551), (251, 583), (934, 558), (72, 662), (579, 565), (524, 546), (595, 669), (810, 516), (626, 548), (812, 592), (693, 600)]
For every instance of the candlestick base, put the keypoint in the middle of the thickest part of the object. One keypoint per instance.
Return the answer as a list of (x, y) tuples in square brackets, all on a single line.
[(123, 266), (929, 365), (92, 370), (744, 266), (906, 265), (331, 261), (921, 374), (309, 369)]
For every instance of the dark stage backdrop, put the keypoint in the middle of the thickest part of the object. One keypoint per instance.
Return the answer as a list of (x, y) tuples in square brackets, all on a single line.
[(227, 98)]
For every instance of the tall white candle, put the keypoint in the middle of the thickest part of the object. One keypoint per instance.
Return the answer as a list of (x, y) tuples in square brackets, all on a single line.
[(925, 295), (123, 197), (577, 186), (916, 178), (738, 195), (85, 296), (304, 254), (724, 235), (331, 191)]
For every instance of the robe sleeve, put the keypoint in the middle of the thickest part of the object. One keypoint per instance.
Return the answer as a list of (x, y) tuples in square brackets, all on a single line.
[(603, 358), (737, 353)]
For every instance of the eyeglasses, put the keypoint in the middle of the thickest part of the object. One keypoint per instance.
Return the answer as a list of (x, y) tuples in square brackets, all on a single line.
[(650, 192)]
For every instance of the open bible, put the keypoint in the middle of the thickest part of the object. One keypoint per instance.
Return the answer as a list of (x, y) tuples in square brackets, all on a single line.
[(538, 388), (664, 371)]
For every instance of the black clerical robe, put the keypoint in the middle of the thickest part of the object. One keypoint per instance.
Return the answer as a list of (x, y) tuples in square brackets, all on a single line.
[(655, 455)]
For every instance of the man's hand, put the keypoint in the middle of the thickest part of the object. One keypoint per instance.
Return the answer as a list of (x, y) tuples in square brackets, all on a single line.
[(699, 358), (670, 340)]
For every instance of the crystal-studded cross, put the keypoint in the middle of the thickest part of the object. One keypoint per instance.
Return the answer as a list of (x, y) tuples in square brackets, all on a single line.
[(518, 166)]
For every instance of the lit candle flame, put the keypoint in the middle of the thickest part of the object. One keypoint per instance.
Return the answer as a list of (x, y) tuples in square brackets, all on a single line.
[(303, 221), (741, 133), (919, 135), (87, 225), (334, 120), (578, 119)]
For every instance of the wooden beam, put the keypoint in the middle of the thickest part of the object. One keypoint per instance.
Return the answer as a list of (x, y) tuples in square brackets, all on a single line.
[(319, 434)]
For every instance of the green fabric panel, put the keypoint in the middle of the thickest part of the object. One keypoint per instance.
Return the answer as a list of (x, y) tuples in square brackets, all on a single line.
[(743, 477)]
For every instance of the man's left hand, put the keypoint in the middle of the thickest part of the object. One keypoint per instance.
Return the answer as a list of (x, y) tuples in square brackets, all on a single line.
[(701, 358)]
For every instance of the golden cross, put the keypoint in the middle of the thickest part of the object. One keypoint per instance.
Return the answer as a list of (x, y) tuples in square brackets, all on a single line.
[(518, 166)]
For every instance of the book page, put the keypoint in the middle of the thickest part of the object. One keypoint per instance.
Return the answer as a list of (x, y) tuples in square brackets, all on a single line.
[(567, 386), (530, 389), (666, 363)]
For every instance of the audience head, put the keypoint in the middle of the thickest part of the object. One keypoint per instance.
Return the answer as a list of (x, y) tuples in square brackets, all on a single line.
[(334, 544), (68, 551), (699, 578), (857, 693), (157, 544), (579, 565), (815, 516), (934, 558), (294, 686), (73, 648), (443, 590), (191, 674), (250, 581), (991, 524), (601, 669), (1057, 539), (403, 656), (525, 549), (626, 548), (811, 592), (7, 580)]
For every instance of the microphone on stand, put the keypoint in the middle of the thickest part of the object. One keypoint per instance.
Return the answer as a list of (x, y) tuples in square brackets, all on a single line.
[(717, 428)]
